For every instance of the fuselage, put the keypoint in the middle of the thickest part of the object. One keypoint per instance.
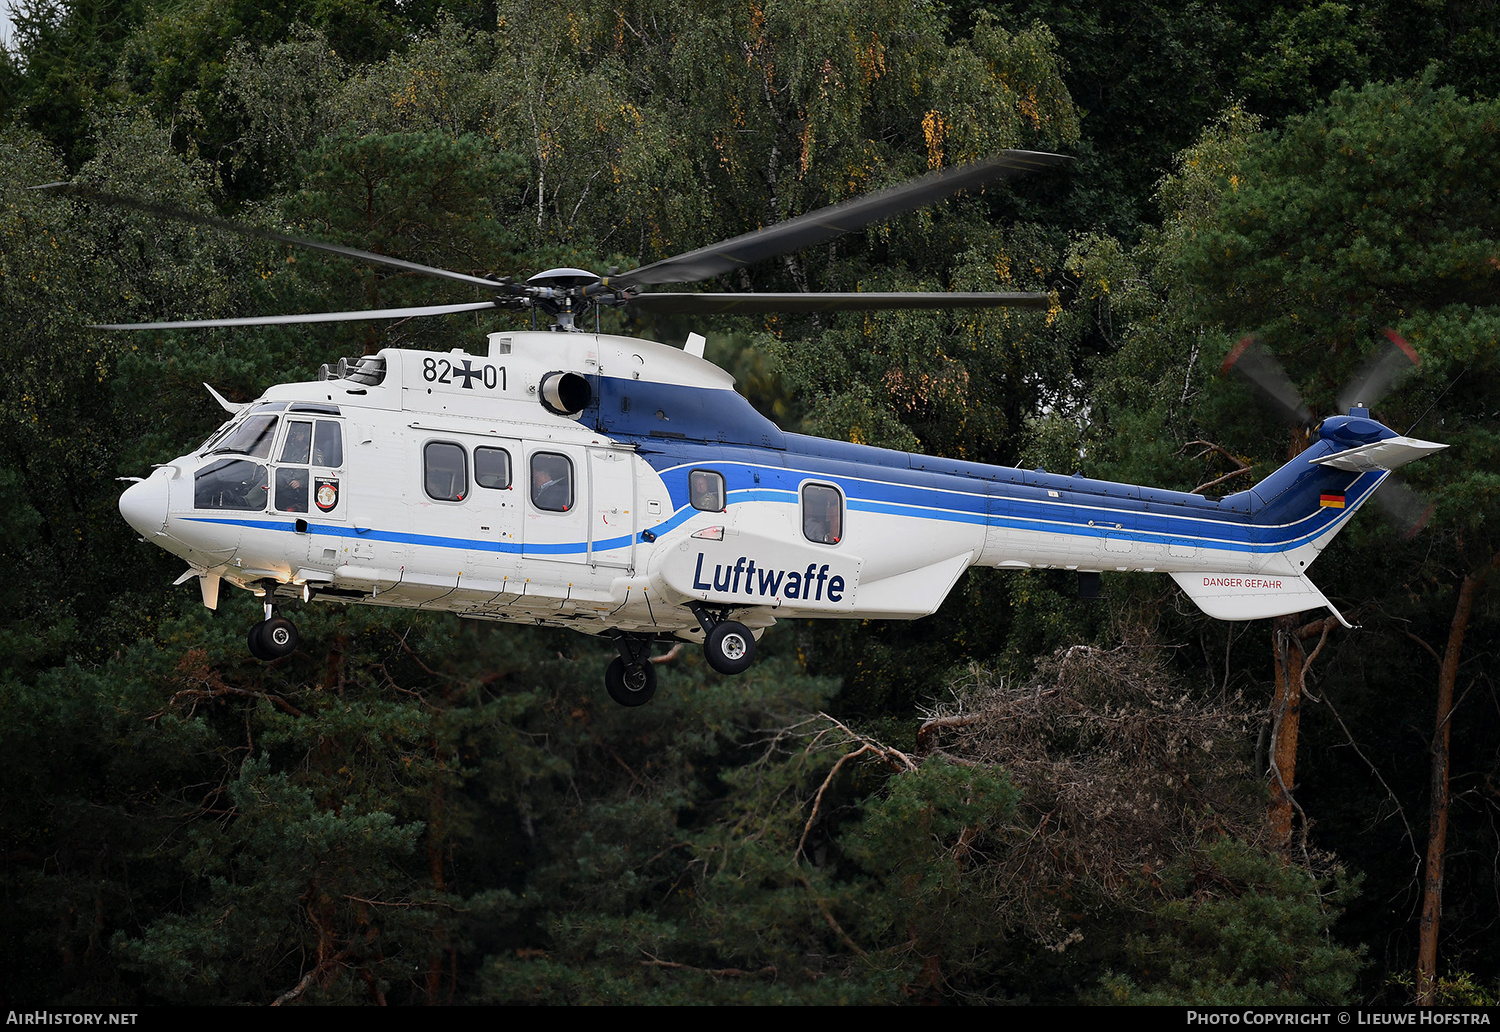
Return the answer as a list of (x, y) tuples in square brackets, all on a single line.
[(466, 484)]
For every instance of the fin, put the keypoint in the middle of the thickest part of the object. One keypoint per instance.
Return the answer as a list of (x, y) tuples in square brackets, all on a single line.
[(208, 584), (1241, 596)]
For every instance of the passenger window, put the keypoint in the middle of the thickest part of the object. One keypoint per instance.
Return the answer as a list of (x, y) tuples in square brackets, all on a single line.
[(298, 444), (231, 484), (822, 514), (492, 468), (706, 489), (328, 445), (551, 482), (445, 471), (291, 489)]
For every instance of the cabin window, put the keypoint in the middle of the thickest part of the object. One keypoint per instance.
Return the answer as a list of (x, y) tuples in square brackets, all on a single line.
[(492, 468), (291, 489), (445, 471), (822, 514), (328, 445), (231, 484), (706, 489), (551, 482), (252, 437)]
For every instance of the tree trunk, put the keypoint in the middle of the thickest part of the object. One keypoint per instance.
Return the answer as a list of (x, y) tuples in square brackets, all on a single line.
[(1286, 716), (1292, 664), (1437, 825)]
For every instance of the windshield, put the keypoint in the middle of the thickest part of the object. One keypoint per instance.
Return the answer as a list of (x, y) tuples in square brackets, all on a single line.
[(216, 436), (252, 437)]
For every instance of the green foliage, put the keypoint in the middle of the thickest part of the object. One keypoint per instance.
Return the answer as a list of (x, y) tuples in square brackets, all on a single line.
[(876, 903), (1238, 927), (426, 197), (1460, 989), (66, 51)]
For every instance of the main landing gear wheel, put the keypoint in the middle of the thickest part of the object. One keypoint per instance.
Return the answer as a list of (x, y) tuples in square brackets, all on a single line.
[(729, 647), (630, 684), (273, 638)]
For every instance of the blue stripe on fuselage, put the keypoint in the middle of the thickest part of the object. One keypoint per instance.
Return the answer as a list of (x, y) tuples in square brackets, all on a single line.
[(1288, 515)]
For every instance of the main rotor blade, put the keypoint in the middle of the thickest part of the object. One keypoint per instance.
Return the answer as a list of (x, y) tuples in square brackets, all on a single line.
[(1250, 358), (826, 223), (1378, 373), (172, 211), (312, 317), (712, 304)]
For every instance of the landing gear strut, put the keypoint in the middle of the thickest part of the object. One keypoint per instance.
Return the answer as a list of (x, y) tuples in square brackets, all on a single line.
[(275, 636), (631, 677), (728, 646)]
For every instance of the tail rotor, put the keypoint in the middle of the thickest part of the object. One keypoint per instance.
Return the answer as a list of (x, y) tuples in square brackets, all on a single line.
[(1405, 507)]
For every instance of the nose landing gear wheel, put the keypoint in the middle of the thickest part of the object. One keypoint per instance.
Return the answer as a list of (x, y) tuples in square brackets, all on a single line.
[(273, 638), (729, 647), (630, 684)]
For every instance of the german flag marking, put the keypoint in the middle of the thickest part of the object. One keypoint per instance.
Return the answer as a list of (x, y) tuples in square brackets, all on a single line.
[(1331, 501)]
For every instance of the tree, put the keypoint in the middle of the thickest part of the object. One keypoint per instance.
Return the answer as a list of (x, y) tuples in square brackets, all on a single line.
[(1380, 209)]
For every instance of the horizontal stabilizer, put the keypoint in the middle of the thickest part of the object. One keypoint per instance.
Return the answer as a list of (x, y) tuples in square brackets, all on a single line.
[(1386, 454), (1239, 596)]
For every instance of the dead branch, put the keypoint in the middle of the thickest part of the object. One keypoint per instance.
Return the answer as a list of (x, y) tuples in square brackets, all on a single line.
[(832, 922), (1210, 448), (669, 655), (307, 979), (404, 905), (818, 799), (1218, 480), (935, 724), (769, 971)]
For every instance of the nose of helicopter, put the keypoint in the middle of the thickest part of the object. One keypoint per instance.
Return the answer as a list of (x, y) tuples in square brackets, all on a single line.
[(144, 504)]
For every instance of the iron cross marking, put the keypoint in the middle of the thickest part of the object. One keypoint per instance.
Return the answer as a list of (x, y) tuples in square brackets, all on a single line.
[(468, 374)]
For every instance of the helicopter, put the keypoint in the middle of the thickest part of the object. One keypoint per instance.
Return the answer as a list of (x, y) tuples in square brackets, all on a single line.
[(621, 487)]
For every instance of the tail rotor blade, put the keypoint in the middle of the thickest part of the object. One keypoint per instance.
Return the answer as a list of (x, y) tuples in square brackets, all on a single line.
[(1378, 374)]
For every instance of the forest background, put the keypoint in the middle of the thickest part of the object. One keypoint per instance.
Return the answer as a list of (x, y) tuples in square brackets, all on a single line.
[(1026, 798)]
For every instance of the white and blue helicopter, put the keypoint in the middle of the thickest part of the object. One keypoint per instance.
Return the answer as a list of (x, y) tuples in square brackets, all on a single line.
[(621, 487)]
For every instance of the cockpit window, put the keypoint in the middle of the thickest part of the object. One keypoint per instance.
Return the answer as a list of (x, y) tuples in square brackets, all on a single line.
[(298, 444), (328, 445), (252, 437), (291, 489), (216, 436), (231, 484)]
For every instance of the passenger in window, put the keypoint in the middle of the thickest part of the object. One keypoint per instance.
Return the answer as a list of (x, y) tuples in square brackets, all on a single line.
[(298, 443), (707, 490), (291, 490), (551, 486), (823, 521)]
